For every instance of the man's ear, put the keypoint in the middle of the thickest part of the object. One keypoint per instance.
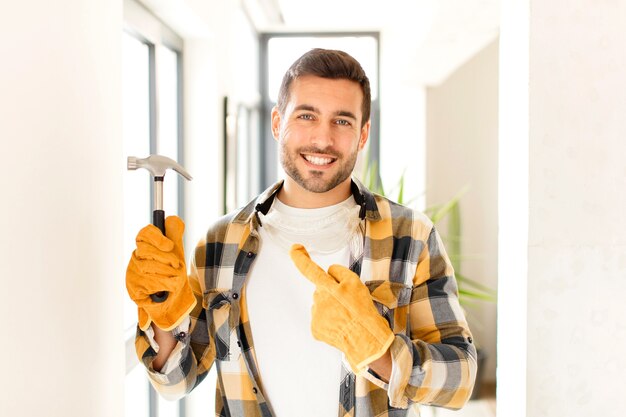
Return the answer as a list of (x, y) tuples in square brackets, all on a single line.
[(276, 122), (365, 134)]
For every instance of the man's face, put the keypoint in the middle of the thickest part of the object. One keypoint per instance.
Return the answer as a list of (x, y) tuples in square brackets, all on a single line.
[(320, 133)]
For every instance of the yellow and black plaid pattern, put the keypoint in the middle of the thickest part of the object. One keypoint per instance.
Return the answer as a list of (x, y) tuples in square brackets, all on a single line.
[(410, 278)]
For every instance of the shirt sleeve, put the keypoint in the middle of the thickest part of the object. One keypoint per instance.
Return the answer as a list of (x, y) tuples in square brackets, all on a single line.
[(193, 355), (436, 363), (179, 333)]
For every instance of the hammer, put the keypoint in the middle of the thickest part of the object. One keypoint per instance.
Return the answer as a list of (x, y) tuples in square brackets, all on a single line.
[(157, 165)]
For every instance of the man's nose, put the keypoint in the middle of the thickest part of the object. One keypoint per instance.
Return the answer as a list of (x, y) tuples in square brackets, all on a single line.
[(322, 136)]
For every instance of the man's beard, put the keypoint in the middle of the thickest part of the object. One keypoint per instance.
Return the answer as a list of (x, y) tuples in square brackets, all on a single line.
[(315, 182)]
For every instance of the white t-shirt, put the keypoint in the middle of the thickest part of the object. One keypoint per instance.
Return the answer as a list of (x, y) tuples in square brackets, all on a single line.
[(300, 375)]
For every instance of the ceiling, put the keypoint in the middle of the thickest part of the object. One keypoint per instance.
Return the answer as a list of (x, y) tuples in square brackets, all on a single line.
[(431, 37)]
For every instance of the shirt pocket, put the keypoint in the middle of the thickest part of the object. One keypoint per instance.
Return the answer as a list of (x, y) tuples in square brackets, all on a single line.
[(220, 323), (392, 301)]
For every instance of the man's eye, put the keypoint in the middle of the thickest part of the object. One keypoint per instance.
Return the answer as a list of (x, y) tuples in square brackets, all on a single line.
[(305, 117), (343, 122)]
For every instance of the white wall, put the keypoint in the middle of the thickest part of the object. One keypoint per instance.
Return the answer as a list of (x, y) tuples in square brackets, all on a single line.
[(577, 233), (576, 226), (61, 211), (462, 153)]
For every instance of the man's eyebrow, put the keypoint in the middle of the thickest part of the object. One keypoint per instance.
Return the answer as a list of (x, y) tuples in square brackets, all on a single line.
[(307, 107), (342, 113)]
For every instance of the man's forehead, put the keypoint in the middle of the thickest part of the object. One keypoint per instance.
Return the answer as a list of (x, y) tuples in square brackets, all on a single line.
[(316, 91)]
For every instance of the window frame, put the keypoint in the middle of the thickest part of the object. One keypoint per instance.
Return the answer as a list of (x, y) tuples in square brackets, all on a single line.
[(143, 25)]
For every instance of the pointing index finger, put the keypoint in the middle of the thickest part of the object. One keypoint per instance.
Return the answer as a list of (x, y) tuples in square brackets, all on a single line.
[(308, 268)]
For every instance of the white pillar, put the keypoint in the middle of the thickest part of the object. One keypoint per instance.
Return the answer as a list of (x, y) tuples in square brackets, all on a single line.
[(512, 209), (62, 276), (577, 196), (575, 333)]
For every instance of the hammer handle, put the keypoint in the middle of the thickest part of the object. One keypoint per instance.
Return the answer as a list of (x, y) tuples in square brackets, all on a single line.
[(158, 219)]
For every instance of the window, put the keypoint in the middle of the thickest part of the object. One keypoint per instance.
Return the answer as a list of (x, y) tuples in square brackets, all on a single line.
[(152, 94)]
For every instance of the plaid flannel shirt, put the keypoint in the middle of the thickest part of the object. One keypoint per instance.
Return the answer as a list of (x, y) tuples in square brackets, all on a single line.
[(404, 265)]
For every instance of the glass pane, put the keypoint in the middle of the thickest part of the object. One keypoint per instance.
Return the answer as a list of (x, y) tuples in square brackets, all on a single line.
[(167, 87), (136, 399), (283, 51), (243, 155), (136, 135)]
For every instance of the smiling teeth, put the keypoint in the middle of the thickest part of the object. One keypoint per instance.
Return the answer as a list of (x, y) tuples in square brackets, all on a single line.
[(315, 160)]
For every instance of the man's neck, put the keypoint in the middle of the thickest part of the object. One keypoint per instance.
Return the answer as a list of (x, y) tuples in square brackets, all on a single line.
[(292, 194)]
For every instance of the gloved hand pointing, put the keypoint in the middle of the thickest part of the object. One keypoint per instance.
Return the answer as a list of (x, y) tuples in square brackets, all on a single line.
[(158, 264), (343, 313)]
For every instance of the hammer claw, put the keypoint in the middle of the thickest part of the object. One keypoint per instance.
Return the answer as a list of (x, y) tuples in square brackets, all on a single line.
[(157, 165)]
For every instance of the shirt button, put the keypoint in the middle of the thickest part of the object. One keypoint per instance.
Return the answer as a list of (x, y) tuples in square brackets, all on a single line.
[(469, 339), (235, 296), (254, 390), (238, 343), (249, 254)]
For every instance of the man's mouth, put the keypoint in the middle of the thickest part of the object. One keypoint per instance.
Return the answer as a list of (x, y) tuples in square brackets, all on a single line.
[(319, 160)]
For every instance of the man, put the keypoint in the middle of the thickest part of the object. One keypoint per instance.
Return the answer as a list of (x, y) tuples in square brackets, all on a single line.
[(380, 331)]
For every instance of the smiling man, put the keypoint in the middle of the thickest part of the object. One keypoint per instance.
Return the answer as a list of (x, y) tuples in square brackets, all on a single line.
[(320, 130), (318, 298)]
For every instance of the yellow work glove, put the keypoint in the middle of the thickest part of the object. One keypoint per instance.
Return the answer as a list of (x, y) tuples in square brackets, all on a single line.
[(343, 313), (158, 264)]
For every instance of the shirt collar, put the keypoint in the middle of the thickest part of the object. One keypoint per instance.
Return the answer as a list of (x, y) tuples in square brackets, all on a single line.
[(363, 197)]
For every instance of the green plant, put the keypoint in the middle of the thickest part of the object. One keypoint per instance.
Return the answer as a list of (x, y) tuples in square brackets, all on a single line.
[(470, 290)]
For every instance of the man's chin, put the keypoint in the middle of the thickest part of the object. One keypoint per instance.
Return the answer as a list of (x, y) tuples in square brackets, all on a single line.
[(316, 186), (319, 185), (315, 181), (312, 184)]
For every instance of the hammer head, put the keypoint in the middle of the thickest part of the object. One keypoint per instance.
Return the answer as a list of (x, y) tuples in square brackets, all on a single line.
[(157, 165)]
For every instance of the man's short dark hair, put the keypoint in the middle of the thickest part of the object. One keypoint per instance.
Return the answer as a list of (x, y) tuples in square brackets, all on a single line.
[(327, 63)]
